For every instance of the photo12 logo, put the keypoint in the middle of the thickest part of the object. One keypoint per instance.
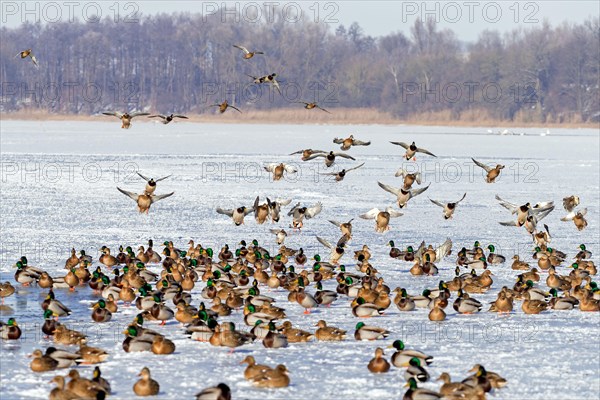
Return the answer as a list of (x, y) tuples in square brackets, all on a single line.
[(68, 11)]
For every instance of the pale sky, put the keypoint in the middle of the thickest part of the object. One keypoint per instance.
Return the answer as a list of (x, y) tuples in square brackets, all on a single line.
[(466, 18)]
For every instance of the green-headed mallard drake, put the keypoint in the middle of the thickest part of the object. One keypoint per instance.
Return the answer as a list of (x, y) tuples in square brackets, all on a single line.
[(26, 275), (274, 340), (328, 333), (368, 332), (298, 214), (247, 53), (10, 330), (324, 297), (402, 196), (125, 117), (494, 258), (134, 341), (165, 119), (253, 369), (480, 263), (414, 393), (146, 386), (42, 363), (416, 371), (50, 323), (224, 106), (491, 173), (28, 53), (347, 143), (100, 312), (412, 150), (237, 214), (403, 301), (219, 392), (561, 303), (464, 304), (583, 253), (57, 308), (402, 356), (144, 200), (378, 364)]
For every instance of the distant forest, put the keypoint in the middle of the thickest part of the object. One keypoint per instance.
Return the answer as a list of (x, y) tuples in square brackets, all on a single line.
[(185, 62)]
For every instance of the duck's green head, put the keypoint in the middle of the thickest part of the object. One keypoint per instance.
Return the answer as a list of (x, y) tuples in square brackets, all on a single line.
[(164, 283), (19, 265), (412, 383), (166, 243), (537, 249), (194, 262), (415, 362), (457, 271), (251, 308), (156, 298), (48, 314), (410, 249), (574, 265), (491, 248), (529, 283), (101, 303), (360, 301), (140, 265), (348, 281), (143, 291), (426, 292), (391, 243), (550, 250), (403, 292), (442, 285), (238, 252), (482, 259), (95, 275), (343, 268), (291, 269), (476, 243), (255, 243), (132, 331), (24, 260), (481, 371), (182, 254), (209, 252), (203, 315), (554, 292), (316, 267), (217, 274), (125, 269), (227, 268), (427, 258), (116, 272), (317, 257), (272, 327), (105, 280), (594, 286), (360, 325), (139, 319), (11, 322), (301, 282), (252, 291), (209, 282), (82, 253), (398, 345), (582, 246)]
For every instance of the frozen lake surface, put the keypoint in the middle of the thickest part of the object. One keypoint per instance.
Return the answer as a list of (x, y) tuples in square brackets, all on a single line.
[(58, 191)]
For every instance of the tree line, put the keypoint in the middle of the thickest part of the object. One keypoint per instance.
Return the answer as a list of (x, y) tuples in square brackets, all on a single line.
[(186, 62)]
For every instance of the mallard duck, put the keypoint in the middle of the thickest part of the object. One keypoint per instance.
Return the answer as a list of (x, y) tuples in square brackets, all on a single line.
[(503, 304), (414, 393), (382, 220), (42, 363), (347, 143), (125, 117), (162, 345), (378, 364), (367, 332), (437, 314), (402, 301), (518, 264), (589, 303), (340, 175), (237, 214), (464, 304), (106, 258), (160, 311), (98, 379), (253, 369), (402, 196), (402, 357), (165, 119), (28, 53), (328, 333), (219, 392), (223, 106), (583, 253), (360, 308), (273, 378), (10, 330), (26, 275), (561, 303), (60, 392), (295, 335), (412, 150), (6, 290), (63, 335), (494, 258), (312, 105), (85, 388), (273, 339), (247, 53), (578, 218), (298, 214), (415, 370), (144, 201), (424, 300), (492, 173), (101, 313), (92, 355), (496, 381), (50, 323), (450, 388), (64, 358), (306, 153), (135, 342), (530, 306), (448, 208), (45, 281), (324, 297), (306, 300), (278, 169), (146, 386)]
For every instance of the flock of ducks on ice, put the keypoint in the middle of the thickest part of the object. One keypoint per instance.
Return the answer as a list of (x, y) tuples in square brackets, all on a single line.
[(233, 281)]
